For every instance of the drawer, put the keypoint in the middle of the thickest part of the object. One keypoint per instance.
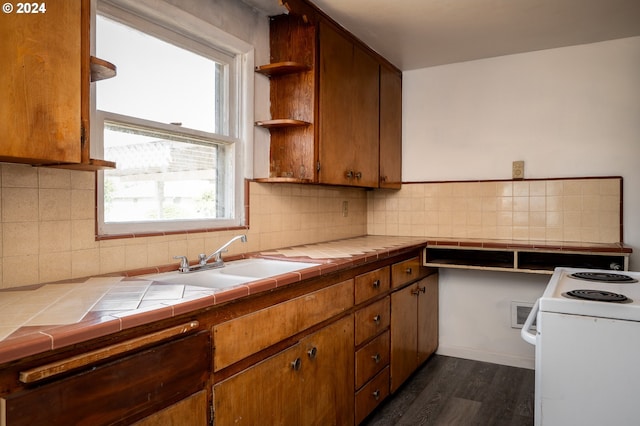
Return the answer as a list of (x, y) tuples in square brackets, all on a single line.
[(371, 395), (243, 336), (372, 319), (119, 390), (372, 358), (372, 284), (405, 272)]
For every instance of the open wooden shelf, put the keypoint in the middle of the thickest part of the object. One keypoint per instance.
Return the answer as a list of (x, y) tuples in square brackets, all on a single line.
[(92, 166), (283, 180), (282, 68), (101, 69), (281, 122), (537, 261)]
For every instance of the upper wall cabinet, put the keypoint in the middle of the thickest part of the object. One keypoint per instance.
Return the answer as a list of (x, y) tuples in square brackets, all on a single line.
[(45, 78), (348, 112), (390, 128), (335, 105)]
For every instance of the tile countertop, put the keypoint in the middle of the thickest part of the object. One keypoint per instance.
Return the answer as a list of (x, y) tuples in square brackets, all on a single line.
[(45, 317)]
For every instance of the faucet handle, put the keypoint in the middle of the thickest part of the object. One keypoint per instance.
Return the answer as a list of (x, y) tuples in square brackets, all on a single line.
[(184, 263), (202, 258)]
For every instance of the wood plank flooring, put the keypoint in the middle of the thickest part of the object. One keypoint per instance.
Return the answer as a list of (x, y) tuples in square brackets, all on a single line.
[(457, 392)]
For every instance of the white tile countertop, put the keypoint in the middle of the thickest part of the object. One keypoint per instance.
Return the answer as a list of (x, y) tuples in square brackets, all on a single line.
[(45, 317)]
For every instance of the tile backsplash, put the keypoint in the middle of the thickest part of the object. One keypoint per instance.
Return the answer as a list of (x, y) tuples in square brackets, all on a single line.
[(569, 210), (47, 226), (47, 219)]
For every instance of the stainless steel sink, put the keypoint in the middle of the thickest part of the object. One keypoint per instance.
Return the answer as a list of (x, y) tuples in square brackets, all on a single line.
[(232, 273)]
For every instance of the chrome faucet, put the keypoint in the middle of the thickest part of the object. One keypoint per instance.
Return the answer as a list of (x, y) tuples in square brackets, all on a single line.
[(203, 259)]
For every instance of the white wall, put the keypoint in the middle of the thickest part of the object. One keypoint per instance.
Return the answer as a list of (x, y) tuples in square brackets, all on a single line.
[(572, 111)]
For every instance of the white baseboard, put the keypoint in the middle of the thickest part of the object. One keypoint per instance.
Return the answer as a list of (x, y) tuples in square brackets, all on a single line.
[(495, 358)]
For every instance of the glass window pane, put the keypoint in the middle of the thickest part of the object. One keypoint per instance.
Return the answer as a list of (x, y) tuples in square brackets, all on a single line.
[(159, 81), (163, 177)]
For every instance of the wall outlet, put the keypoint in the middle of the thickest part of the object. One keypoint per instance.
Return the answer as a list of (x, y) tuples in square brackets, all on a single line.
[(518, 170), (345, 208)]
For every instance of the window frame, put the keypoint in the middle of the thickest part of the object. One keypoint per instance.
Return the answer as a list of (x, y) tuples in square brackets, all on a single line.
[(187, 31)]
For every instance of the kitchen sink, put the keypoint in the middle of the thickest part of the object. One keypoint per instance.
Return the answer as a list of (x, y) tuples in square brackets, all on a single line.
[(232, 273), (262, 268)]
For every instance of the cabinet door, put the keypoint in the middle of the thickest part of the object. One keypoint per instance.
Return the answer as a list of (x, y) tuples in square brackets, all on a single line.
[(309, 383), (267, 393), (427, 317), (390, 128), (40, 82), (404, 335), (190, 411), (348, 112), (328, 381)]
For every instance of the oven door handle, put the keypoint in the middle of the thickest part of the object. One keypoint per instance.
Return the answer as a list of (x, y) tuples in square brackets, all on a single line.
[(527, 335)]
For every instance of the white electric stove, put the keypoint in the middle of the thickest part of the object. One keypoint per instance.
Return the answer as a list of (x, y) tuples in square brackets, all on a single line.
[(587, 342)]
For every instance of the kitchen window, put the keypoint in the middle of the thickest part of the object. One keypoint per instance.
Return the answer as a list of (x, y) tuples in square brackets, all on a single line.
[(171, 120)]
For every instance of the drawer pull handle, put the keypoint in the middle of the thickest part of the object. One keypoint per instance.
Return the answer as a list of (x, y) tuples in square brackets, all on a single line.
[(376, 358), (376, 284), (409, 271), (376, 394), (418, 290), (377, 319), (312, 352), (296, 364), (68, 364)]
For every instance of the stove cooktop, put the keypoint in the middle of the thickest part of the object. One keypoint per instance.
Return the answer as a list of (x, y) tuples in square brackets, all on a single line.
[(598, 293), (608, 277)]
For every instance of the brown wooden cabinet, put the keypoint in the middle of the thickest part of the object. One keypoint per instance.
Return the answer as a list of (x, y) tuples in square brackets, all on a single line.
[(390, 128), (348, 111), (308, 383), (372, 341), (190, 411), (45, 78), (414, 327), (276, 323), (327, 90), (122, 390)]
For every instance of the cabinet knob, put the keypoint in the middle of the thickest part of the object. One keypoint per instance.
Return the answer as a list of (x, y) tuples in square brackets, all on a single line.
[(349, 174), (376, 284), (312, 352), (409, 271), (422, 289), (376, 394), (376, 358), (377, 319), (383, 178), (358, 175), (296, 364)]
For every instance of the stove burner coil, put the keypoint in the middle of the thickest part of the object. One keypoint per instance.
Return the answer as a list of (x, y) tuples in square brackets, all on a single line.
[(597, 295), (603, 277)]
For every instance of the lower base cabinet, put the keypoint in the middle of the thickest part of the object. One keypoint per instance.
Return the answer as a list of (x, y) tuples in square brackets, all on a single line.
[(414, 327), (371, 394), (190, 411), (120, 391), (310, 383)]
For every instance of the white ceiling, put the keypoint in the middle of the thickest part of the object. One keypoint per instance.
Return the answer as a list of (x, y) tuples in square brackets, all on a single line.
[(422, 33)]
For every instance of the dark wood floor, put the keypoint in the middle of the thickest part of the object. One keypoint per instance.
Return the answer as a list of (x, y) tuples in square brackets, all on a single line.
[(455, 391)]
